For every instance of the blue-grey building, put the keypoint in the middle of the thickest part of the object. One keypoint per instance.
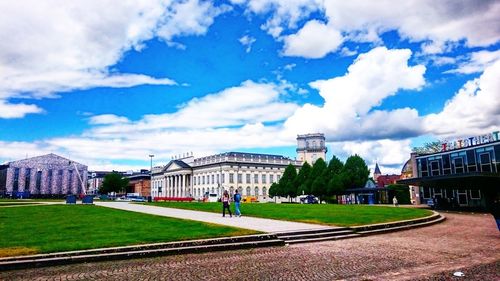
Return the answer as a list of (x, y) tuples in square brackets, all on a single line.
[(465, 173), (42, 176)]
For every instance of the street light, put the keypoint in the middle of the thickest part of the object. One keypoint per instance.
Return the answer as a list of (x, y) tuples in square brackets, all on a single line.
[(151, 171)]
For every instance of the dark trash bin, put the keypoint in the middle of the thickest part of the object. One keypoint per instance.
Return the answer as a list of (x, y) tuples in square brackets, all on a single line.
[(71, 199), (88, 199)]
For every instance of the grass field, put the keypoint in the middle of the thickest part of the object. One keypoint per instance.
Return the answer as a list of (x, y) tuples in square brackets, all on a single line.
[(53, 228), (328, 214)]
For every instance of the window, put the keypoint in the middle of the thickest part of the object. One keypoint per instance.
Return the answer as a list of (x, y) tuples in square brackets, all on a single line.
[(264, 176), (485, 162), (60, 181), (459, 165), (434, 168), (231, 178), (223, 176), (278, 177), (49, 181), (271, 178), (218, 179), (264, 192), (427, 192), (15, 184), (256, 178), (248, 178), (27, 179), (248, 191), (38, 182), (256, 191), (213, 179), (240, 178)]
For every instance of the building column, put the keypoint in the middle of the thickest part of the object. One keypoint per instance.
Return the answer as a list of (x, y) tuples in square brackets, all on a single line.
[(183, 189)]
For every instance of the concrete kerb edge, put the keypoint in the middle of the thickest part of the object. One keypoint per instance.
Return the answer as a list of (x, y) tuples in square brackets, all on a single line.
[(53, 260), (19, 262), (435, 217)]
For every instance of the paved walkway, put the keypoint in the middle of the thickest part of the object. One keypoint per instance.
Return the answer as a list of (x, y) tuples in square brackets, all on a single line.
[(264, 225), (464, 242)]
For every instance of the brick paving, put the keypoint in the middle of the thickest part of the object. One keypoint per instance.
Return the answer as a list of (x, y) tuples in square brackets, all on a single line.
[(466, 242)]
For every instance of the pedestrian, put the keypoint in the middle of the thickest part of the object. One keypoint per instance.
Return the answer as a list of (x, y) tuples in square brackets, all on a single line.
[(237, 200), (395, 201), (225, 204)]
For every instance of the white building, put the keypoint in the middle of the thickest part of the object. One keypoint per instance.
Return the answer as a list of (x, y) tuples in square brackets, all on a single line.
[(252, 174), (311, 147)]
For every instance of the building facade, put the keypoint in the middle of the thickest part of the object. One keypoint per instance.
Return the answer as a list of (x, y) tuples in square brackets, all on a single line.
[(311, 147), (252, 174), (466, 173), (42, 176)]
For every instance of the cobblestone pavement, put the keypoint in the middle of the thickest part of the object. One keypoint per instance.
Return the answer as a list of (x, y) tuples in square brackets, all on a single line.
[(464, 242)]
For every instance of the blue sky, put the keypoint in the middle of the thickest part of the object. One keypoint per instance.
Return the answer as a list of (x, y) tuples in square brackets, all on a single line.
[(108, 83)]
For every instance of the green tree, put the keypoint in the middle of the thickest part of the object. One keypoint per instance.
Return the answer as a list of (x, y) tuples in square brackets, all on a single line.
[(335, 166), (335, 178), (355, 172), (273, 190), (288, 181), (401, 191), (318, 178), (303, 181), (336, 185), (113, 182)]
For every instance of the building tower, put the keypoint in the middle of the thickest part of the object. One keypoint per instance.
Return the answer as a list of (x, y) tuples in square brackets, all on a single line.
[(376, 173), (310, 147)]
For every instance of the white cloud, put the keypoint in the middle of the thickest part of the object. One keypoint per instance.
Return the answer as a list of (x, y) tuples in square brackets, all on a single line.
[(438, 24), (283, 13), (246, 104), (477, 61), (49, 47), (106, 119), (190, 17), (347, 113), (19, 110), (314, 40), (475, 109), (389, 154), (247, 42)]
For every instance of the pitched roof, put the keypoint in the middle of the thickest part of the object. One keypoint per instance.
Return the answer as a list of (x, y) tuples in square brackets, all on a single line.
[(377, 170)]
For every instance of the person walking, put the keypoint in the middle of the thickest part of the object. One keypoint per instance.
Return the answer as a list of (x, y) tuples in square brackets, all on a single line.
[(237, 200), (225, 204), (395, 201)]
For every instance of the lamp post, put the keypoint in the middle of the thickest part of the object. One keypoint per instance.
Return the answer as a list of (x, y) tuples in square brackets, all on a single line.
[(151, 171)]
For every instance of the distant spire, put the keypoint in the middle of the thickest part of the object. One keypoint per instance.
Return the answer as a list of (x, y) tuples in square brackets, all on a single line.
[(377, 169)]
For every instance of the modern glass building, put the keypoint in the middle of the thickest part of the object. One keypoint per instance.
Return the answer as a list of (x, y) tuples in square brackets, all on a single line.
[(466, 173)]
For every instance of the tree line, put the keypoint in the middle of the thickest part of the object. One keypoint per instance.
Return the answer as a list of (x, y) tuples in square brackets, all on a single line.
[(320, 179)]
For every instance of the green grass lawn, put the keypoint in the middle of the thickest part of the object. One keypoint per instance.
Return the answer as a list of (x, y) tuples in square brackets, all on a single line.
[(328, 214), (53, 228)]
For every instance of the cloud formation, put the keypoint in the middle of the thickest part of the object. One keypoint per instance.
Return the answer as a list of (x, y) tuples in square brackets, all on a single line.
[(347, 113), (49, 47), (438, 25)]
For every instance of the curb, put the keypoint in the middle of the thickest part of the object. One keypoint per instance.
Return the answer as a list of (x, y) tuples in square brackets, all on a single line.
[(399, 225), (141, 251), (202, 245)]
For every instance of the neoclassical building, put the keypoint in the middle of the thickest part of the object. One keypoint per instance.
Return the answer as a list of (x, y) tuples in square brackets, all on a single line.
[(251, 173), (43, 175)]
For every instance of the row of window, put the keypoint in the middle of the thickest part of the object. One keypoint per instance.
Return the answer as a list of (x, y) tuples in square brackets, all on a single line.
[(38, 180), (214, 179), (200, 192), (484, 159)]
